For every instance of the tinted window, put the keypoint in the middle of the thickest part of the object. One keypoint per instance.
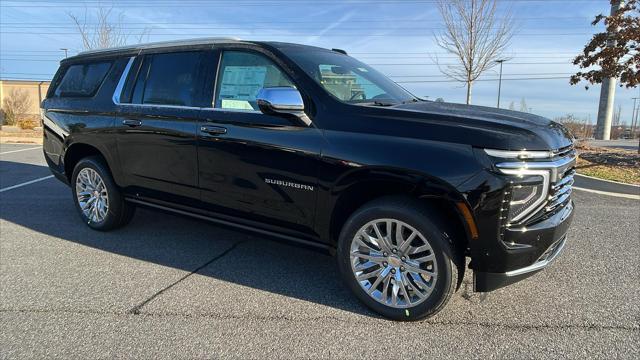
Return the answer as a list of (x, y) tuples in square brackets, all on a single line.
[(82, 79), (241, 76), (171, 79)]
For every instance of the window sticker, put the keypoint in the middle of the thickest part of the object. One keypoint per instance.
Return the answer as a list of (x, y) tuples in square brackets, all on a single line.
[(236, 104), (241, 83)]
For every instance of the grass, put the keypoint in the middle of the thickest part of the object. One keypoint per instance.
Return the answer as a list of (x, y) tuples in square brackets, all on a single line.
[(609, 164)]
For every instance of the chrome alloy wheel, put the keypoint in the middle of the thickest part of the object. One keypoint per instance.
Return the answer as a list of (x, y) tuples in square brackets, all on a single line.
[(394, 263), (92, 195)]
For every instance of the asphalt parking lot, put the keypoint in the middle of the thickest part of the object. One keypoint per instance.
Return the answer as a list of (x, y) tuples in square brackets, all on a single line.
[(172, 287)]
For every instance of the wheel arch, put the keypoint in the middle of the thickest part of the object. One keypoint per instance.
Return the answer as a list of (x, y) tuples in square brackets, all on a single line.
[(78, 151), (366, 185)]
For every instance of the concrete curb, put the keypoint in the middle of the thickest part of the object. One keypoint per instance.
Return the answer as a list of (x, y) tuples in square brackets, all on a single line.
[(606, 187)]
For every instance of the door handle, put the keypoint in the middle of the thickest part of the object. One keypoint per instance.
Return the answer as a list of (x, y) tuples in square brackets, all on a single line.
[(132, 123), (213, 130)]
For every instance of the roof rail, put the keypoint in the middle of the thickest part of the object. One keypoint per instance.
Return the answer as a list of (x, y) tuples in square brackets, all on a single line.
[(159, 44)]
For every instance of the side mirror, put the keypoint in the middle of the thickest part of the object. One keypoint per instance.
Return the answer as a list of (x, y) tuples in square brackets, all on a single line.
[(283, 100)]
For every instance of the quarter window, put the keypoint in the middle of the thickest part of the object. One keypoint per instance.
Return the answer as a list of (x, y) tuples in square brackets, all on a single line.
[(241, 76), (82, 79), (169, 79)]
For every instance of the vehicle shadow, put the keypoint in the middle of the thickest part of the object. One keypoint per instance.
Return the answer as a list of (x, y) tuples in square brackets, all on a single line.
[(185, 244)]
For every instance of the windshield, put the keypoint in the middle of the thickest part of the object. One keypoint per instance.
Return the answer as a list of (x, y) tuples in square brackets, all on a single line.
[(349, 80)]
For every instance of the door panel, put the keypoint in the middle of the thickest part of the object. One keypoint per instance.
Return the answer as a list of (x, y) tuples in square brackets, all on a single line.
[(265, 173), (160, 153), (157, 125)]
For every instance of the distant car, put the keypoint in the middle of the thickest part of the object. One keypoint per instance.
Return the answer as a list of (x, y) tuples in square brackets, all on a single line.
[(312, 146)]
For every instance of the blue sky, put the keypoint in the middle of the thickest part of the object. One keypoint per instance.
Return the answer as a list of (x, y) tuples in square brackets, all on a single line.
[(394, 36)]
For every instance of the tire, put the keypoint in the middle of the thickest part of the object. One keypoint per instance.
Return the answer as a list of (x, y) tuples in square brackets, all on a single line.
[(92, 177), (428, 265)]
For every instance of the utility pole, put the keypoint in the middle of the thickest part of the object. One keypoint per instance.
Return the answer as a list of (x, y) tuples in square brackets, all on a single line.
[(500, 80), (633, 116), (65, 52), (607, 94)]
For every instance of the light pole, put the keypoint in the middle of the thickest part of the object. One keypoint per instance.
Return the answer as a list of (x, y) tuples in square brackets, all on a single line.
[(500, 80), (65, 52)]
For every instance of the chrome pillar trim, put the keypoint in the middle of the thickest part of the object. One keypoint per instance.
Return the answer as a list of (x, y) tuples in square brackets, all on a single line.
[(123, 79)]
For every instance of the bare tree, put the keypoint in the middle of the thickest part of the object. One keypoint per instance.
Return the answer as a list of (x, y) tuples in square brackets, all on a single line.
[(105, 32), (475, 35), (16, 106), (617, 115), (512, 106), (523, 105)]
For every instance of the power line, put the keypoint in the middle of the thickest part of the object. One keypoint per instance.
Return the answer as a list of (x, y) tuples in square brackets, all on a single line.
[(211, 4), (363, 20), (503, 79), (376, 64), (297, 34), (318, 26)]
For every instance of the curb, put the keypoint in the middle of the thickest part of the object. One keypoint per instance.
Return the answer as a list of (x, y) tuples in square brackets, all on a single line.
[(606, 187)]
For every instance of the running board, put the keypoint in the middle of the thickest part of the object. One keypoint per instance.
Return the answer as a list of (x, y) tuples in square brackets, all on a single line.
[(294, 239)]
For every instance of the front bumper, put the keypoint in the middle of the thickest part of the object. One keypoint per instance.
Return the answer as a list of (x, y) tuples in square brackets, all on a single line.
[(543, 242)]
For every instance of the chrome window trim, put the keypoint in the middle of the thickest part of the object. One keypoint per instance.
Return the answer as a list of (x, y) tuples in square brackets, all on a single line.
[(123, 78)]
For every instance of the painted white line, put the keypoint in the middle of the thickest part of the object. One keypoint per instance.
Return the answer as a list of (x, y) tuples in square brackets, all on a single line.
[(626, 196), (15, 151), (25, 183)]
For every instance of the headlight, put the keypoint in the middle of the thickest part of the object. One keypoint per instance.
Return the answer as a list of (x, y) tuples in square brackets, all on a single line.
[(527, 193)]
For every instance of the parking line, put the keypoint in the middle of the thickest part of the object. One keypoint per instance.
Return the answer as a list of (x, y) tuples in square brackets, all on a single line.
[(620, 195), (15, 151), (25, 183)]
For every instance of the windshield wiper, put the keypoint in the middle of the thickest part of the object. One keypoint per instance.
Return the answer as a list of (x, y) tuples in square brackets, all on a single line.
[(414, 100)]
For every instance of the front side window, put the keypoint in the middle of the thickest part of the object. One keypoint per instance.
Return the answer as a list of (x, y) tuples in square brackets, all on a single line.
[(82, 80), (169, 79), (348, 79), (240, 78)]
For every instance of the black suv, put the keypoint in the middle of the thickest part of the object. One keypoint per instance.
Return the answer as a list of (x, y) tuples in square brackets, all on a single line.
[(312, 146)]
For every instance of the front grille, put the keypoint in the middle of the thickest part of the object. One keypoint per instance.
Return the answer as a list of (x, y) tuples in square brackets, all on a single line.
[(565, 151), (559, 196), (560, 191)]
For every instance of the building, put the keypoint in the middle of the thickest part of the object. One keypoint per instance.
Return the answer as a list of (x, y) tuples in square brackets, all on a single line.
[(35, 91)]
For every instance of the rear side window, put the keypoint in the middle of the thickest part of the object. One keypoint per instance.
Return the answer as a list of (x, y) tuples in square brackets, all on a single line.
[(82, 79), (169, 79)]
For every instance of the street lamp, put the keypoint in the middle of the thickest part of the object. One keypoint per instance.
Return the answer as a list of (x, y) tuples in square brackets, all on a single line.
[(500, 79), (65, 52)]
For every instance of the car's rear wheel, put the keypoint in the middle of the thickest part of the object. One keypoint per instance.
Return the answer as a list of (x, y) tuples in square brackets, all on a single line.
[(98, 199), (397, 259)]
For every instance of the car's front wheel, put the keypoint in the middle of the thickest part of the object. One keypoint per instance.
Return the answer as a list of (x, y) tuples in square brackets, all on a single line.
[(98, 199), (397, 260)]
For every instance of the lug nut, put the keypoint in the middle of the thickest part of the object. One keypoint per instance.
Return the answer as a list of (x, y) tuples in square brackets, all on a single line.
[(403, 258), (384, 264), (401, 268), (385, 254), (393, 271), (395, 251)]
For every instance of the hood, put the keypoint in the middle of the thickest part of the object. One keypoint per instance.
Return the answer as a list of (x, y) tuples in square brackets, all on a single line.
[(482, 126)]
